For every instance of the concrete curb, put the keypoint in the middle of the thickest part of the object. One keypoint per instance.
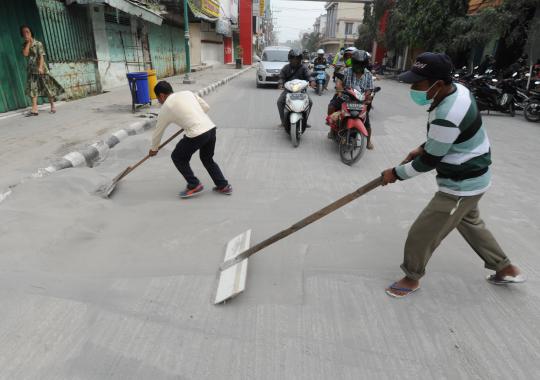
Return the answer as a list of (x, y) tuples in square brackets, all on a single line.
[(97, 151)]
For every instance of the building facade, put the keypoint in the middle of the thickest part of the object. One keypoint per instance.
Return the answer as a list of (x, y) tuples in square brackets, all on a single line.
[(92, 44), (342, 22)]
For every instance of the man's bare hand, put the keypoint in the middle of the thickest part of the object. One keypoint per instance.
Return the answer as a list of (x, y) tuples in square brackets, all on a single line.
[(389, 176), (152, 153), (412, 155)]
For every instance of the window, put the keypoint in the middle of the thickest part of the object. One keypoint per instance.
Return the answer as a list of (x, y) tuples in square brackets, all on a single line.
[(348, 28), (275, 56)]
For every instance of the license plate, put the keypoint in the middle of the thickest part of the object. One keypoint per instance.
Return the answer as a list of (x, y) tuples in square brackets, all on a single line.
[(297, 96), (354, 106)]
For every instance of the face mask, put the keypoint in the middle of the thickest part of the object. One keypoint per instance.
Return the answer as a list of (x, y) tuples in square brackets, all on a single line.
[(420, 97), (348, 62)]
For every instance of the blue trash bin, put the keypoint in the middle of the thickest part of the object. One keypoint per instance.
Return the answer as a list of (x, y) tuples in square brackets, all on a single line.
[(138, 85)]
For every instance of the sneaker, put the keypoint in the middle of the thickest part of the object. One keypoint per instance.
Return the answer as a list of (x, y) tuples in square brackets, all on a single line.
[(227, 189), (187, 193)]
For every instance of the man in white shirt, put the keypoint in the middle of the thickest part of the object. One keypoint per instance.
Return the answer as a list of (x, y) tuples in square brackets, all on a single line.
[(188, 111)]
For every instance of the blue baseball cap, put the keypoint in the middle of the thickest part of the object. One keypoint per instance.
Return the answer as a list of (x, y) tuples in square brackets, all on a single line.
[(428, 66)]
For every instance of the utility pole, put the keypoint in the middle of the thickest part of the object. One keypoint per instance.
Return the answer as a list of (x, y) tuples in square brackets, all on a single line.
[(187, 79)]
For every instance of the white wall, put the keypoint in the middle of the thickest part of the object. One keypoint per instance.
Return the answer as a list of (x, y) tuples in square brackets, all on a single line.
[(212, 49)]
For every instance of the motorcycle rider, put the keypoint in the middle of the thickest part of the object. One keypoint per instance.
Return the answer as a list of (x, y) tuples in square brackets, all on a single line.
[(293, 70), (320, 60), (338, 62), (357, 77)]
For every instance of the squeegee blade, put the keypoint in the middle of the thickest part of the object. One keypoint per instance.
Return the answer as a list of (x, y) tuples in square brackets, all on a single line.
[(232, 281)]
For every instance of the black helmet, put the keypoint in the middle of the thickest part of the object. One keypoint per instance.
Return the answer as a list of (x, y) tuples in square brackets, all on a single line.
[(294, 53), (360, 56)]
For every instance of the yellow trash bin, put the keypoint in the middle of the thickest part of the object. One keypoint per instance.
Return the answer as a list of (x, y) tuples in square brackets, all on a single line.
[(152, 81)]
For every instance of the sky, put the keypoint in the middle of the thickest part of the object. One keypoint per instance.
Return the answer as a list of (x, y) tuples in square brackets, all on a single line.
[(292, 17)]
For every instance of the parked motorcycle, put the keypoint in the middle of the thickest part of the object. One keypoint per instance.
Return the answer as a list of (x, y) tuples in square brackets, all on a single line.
[(320, 78), (531, 108), (492, 96), (296, 109), (347, 126)]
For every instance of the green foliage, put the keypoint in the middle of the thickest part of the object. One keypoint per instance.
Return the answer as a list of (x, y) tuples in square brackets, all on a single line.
[(423, 23), (367, 31), (311, 41)]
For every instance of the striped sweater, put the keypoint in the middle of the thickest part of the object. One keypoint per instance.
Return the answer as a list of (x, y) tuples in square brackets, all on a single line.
[(457, 147)]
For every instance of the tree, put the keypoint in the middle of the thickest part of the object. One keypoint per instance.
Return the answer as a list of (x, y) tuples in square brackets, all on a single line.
[(424, 23), (368, 30), (511, 23), (311, 41)]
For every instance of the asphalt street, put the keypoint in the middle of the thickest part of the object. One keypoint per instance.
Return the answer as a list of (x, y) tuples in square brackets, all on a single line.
[(92, 288)]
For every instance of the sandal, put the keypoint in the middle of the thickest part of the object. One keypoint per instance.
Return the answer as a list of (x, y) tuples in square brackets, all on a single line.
[(394, 286), (30, 113)]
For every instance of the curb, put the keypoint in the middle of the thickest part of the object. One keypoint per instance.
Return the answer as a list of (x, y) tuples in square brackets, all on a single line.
[(97, 151)]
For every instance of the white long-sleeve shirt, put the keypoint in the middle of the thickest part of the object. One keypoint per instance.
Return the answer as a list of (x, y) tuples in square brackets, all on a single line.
[(186, 110)]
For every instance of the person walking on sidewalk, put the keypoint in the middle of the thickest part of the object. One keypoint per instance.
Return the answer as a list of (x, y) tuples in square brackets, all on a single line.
[(458, 148), (188, 111), (38, 82)]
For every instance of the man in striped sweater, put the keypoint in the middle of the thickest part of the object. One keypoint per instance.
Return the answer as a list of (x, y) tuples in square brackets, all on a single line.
[(457, 147)]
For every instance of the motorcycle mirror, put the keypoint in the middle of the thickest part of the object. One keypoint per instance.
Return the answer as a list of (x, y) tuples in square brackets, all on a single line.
[(514, 75)]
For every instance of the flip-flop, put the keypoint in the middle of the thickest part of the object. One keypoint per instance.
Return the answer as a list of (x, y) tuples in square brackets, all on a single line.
[(493, 279), (394, 286), (30, 113)]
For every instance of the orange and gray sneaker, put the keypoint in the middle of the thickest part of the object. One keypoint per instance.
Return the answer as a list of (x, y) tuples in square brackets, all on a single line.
[(187, 193), (227, 189)]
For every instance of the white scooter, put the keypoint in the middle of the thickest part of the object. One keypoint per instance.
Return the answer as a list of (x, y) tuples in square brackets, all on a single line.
[(296, 109)]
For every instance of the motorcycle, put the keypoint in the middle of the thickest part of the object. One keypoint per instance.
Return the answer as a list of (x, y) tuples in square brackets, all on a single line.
[(296, 109), (348, 128), (492, 96), (531, 109), (320, 78)]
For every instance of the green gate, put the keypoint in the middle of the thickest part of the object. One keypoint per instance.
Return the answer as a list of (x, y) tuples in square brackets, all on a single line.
[(13, 14)]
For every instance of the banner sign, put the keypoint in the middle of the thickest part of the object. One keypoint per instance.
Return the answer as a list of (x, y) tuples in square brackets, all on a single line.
[(210, 8)]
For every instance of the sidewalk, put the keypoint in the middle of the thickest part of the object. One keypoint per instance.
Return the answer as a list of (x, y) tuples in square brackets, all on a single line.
[(32, 142)]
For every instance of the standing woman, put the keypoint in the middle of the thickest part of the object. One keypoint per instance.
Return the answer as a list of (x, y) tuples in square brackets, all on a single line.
[(39, 82)]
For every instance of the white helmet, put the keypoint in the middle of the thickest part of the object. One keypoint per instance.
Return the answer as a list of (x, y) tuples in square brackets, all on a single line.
[(350, 49), (320, 51)]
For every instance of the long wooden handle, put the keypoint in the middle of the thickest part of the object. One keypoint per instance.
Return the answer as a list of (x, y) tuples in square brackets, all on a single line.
[(131, 168), (305, 222)]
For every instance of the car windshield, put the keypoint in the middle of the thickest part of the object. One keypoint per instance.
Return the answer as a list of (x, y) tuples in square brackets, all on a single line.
[(275, 56)]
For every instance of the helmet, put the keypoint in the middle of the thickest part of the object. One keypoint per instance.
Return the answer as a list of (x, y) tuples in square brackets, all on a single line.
[(350, 49), (360, 57), (320, 51), (294, 53)]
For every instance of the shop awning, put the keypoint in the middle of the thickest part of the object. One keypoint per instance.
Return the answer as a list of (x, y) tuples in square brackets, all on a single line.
[(130, 7), (205, 9)]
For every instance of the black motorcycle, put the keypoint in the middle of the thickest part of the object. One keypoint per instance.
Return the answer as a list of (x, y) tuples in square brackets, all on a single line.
[(531, 108), (492, 95)]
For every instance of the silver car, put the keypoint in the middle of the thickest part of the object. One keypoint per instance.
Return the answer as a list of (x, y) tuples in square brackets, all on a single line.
[(272, 61)]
